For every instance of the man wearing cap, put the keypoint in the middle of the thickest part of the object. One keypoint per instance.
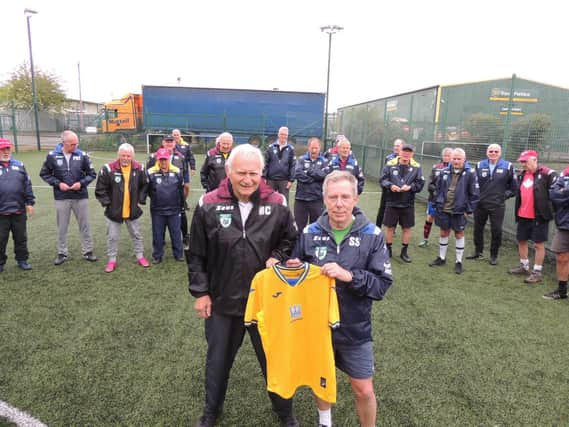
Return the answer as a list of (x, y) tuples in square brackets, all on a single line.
[(213, 168), (347, 162), (120, 186), (279, 164), (397, 144), (401, 179), (69, 171), (456, 196), (179, 160), (498, 182), (533, 213), (166, 191), (559, 195), (16, 204)]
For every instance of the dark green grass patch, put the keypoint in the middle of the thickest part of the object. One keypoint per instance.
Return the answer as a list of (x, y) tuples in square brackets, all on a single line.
[(81, 347)]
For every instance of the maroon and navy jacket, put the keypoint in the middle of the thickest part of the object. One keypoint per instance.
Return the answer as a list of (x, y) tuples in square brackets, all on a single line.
[(225, 253), (213, 168), (559, 195), (109, 190)]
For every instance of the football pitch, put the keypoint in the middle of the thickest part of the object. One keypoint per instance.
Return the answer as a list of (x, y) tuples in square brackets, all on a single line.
[(82, 347)]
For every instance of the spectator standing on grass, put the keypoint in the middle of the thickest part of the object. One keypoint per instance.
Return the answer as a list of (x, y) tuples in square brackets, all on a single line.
[(69, 171), (347, 162), (559, 196), (533, 214), (237, 230), (16, 204), (401, 179), (309, 173), (456, 196), (332, 152), (350, 249), (213, 168), (279, 164), (397, 144), (498, 182), (120, 186), (186, 150), (166, 191), (435, 172), (177, 159)]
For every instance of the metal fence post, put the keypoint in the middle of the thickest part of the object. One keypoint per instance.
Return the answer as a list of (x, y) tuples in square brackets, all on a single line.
[(14, 130)]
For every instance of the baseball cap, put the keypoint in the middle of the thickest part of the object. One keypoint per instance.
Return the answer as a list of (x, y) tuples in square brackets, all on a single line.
[(5, 143), (168, 137), (526, 155), (407, 147), (162, 153)]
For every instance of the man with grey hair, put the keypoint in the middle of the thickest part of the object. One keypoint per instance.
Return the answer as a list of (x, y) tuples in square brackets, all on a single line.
[(279, 164), (240, 228), (351, 250), (213, 168), (498, 182), (120, 186), (456, 196), (69, 171)]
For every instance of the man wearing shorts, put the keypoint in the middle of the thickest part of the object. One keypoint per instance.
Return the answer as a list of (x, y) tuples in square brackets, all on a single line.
[(559, 195), (533, 213), (435, 172), (350, 249), (401, 179), (456, 196)]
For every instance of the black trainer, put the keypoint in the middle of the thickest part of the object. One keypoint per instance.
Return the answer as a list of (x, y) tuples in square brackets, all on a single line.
[(24, 265), (438, 262), (90, 256), (477, 255), (493, 260), (289, 421), (1, 268), (60, 259), (206, 421), (156, 260), (458, 267), (555, 295), (405, 257)]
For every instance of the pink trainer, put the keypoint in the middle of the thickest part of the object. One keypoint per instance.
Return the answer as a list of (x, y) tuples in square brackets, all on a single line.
[(143, 262), (110, 267)]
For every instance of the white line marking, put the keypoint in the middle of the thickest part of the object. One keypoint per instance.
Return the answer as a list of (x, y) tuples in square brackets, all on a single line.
[(19, 417)]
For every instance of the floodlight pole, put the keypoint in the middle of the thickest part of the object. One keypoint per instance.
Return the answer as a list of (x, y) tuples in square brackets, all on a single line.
[(29, 13), (330, 30)]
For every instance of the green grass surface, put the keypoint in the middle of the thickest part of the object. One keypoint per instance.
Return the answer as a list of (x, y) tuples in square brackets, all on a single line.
[(81, 347)]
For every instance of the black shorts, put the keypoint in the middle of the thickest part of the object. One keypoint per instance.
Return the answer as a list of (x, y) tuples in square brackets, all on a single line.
[(404, 216), (530, 229), (560, 243), (446, 221)]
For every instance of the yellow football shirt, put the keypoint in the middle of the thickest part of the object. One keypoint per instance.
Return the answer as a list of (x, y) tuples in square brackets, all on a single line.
[(295, 309)]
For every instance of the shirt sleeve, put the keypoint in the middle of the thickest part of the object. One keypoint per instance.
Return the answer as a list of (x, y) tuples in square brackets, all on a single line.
[(333, 309)]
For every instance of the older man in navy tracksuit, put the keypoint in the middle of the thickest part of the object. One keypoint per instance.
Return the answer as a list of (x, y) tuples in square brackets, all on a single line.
[(309, 173), (16, 203), (279, 164), (456, 196), (69, 171), (498, 182)]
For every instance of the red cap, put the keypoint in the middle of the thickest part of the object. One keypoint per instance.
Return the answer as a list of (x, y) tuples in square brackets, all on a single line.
[(526, 155), (5, 143), (162, 153)]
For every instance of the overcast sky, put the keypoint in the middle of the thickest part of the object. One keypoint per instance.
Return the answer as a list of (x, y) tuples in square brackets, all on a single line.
[(386, 47)]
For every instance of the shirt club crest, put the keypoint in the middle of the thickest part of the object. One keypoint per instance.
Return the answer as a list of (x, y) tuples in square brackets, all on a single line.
[(320, 252), (225, 220)]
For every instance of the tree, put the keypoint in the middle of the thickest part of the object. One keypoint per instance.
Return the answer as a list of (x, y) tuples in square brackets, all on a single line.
[(18, 89), (530, 133)]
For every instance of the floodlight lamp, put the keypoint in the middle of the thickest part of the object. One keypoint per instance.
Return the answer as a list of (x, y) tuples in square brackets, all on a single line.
[(30, 12), (331, 29)]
